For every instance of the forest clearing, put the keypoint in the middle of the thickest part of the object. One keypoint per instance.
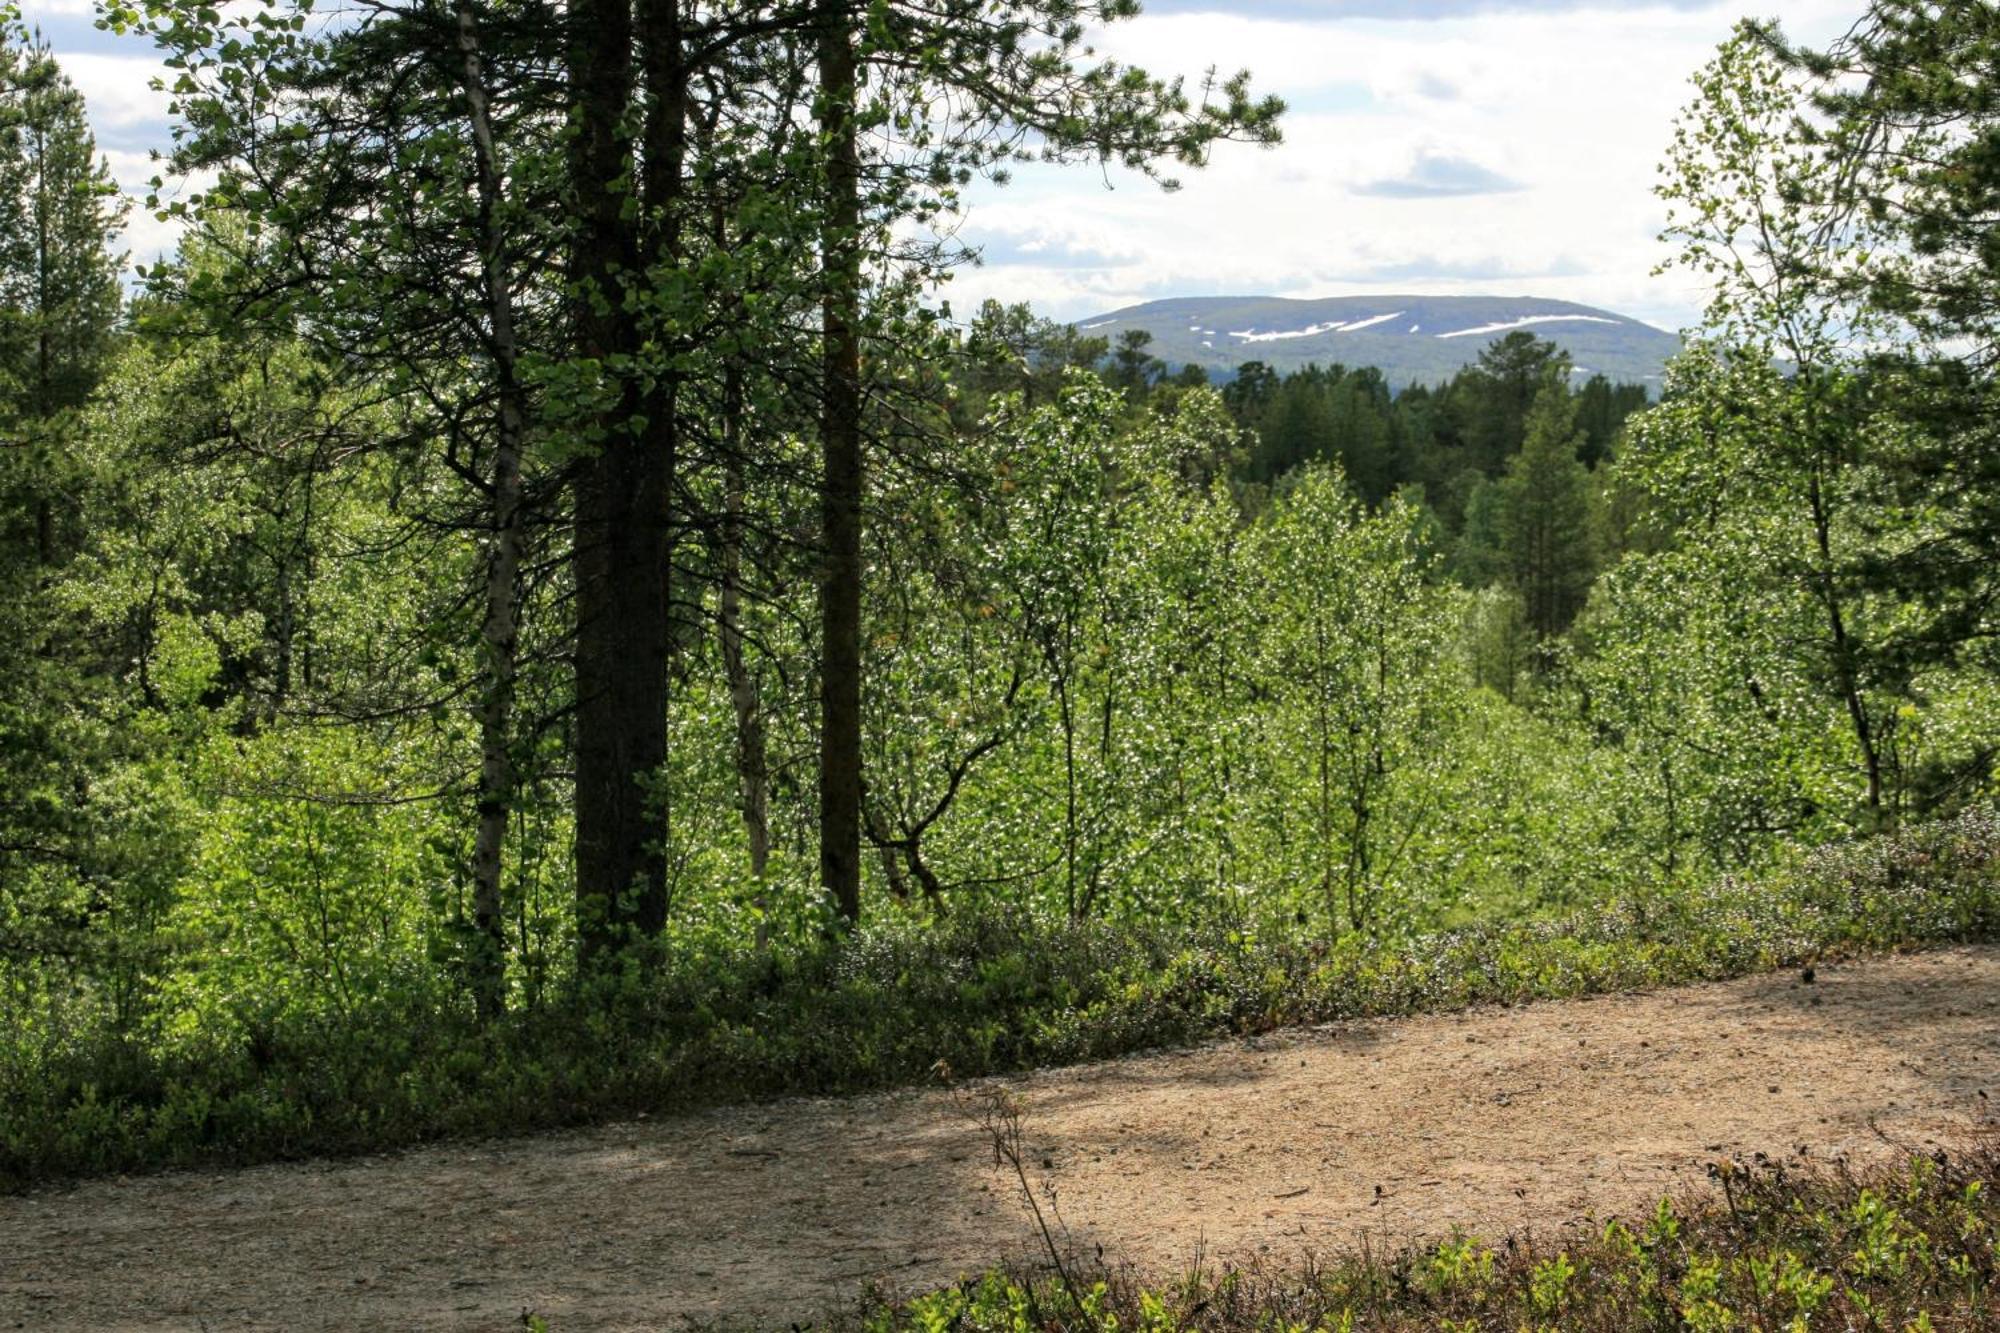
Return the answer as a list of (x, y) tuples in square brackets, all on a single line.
[(1301, 1142)]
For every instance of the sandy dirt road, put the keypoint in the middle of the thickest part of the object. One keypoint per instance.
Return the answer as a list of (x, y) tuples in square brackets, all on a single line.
[(754, 1217)]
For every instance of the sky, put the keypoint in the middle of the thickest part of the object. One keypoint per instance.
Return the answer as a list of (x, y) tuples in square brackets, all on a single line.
[(1472, 147)]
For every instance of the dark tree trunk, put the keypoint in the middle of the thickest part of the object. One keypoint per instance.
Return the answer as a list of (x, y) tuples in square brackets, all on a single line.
[(1844, 653), (664, 158), (841, 486), (499, 630), (44, 396), (621, 525)]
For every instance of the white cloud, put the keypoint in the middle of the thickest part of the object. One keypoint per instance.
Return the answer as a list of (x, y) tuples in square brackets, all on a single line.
[(1571, 102), (1436, 175), (38, 11), (118, 90), (1573, 107)]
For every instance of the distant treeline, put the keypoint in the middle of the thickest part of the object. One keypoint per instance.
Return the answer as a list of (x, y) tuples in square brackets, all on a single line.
[(1458, 454)]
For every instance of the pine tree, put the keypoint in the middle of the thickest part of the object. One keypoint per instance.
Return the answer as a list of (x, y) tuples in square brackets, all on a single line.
[(1295, 429), (1133, 368), (1545, 507), (59, 306), (1908, 117), (1014, 67), (1358, 417), (1494, 397), (1251, 392), (1842, 201), (1601, 411), (59, 298), (1477, 556), (59, 211)]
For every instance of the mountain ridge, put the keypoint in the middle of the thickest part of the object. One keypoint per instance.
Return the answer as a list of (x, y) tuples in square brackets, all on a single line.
[(1410, 339)]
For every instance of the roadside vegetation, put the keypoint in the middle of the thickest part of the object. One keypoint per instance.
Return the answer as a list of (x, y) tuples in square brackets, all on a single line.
[(1774, 1245), (894, 1003)]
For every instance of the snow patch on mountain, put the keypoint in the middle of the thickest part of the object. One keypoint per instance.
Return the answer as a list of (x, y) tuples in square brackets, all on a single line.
[(1361, 324), (1251, 335), (1523, 322), (1312, 331)]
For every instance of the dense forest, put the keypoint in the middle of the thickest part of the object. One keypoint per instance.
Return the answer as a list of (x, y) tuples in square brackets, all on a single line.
[(542, 559)]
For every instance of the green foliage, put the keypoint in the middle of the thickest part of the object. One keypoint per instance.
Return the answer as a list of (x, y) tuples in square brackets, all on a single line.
[(1828, 440), (1545, 515), (81, 829), (1360, 712), (59, 210), (322, 1069)]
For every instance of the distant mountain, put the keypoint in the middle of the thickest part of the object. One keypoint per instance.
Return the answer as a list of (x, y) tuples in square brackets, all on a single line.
[(1411, 339)]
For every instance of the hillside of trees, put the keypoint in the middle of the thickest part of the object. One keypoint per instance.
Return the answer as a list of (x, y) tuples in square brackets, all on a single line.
[(537, 586)]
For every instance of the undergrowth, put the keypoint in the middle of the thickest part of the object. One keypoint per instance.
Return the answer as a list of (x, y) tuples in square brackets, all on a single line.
[(980, 993), (1790, 1246)]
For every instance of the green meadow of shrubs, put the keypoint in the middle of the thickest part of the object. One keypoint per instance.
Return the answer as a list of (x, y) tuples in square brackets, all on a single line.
[(983, 993)]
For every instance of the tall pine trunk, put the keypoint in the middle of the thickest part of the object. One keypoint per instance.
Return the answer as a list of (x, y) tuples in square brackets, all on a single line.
[(1845, 652), (664, 150), (499, 631), (44, 396), (841, 484), (621, 523)]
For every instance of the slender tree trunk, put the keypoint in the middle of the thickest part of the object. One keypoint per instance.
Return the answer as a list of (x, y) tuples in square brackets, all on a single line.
[(841, 485), (45, 515), (752, 757), (499, 632), (1225, 856), (1671, 811), (933, 887), (621, 531), (1360, 851), (664, 64), (1108, 711), (301, 645), (1071, 808), (287, 619), (1844, 652), (45, 531), (1323, 725), (892, 872)]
